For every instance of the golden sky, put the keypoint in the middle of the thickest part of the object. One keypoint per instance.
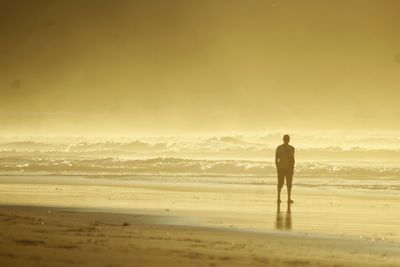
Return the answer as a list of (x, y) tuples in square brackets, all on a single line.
[(106, 66)]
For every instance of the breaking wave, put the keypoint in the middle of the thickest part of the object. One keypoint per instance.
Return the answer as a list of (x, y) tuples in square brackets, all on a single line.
[(192, 167), (219, 147), (317, 155)]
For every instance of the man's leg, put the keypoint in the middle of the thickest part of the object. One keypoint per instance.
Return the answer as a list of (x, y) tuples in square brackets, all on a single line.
[(289, 180), (281, 179)]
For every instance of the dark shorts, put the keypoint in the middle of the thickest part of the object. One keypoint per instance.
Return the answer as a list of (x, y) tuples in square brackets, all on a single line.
[(286, 173)]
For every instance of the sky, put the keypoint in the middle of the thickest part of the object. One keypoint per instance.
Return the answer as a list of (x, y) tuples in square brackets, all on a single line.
[(179, 66)]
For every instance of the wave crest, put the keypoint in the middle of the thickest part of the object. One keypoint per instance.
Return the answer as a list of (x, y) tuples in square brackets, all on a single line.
[(186, 167)]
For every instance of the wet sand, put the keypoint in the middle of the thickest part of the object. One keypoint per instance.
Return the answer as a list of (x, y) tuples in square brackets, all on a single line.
[(67, 221)]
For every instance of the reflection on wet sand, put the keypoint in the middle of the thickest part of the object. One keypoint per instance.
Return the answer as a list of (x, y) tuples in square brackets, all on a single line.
[(283, 220)]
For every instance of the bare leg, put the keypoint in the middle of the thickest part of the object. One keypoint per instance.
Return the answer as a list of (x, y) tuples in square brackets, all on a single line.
[(289, 180), (279, 192), (289, 191), (281, 181)]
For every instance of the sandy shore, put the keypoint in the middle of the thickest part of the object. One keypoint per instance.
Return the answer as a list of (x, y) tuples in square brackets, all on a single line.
[(67, 221), (57, 237)]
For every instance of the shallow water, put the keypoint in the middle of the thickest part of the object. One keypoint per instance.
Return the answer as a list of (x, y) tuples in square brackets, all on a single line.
[(318, 209)]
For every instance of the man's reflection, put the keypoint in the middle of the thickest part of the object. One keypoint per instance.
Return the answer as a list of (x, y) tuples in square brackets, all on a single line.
[(283, 221)]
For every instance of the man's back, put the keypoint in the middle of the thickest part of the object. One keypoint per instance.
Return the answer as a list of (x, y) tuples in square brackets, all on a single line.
[(284, 156)]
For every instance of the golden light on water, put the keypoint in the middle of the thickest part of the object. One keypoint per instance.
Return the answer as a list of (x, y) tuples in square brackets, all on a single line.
[(148, 133)]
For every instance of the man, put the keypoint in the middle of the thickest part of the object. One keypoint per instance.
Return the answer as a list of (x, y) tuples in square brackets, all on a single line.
[(284, 161)]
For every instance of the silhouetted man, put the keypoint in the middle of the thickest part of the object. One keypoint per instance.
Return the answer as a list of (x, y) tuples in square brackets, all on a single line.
[(284, 161)]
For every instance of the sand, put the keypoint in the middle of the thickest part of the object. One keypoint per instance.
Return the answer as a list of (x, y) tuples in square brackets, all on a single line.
[(68, 221)]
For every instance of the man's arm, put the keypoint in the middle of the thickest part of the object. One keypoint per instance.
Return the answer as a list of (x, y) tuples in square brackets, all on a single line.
[(276, 158)]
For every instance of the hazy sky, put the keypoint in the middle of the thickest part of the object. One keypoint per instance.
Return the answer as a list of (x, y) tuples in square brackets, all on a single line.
[(167, 66)]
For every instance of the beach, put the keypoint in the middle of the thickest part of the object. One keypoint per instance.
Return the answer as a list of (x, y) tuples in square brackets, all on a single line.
[(183, 221), (154, 133)]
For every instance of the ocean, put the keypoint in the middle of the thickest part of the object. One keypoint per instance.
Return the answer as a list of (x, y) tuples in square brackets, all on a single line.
[(249, 157)]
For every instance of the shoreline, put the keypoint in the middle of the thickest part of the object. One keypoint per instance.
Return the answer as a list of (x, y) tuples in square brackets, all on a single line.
[(317, 210), (173, 220), (43, 236)]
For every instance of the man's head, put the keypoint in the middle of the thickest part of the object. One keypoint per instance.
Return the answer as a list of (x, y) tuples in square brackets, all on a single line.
[(286, 139)]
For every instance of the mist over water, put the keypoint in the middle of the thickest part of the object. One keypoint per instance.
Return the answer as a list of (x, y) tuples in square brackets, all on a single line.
[(365, 155)]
